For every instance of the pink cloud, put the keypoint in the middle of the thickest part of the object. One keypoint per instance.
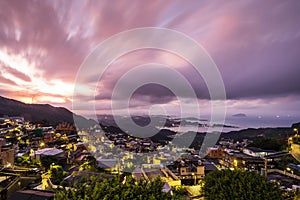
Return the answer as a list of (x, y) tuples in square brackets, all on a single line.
[(254, 44)]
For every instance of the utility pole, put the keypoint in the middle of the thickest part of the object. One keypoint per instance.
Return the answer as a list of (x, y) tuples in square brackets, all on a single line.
[(266, 166), (119, 165), (119, 168)]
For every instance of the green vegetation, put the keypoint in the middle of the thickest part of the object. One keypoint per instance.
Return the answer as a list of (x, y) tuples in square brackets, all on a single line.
[(57, 174), (47, 161), (242, 185), (108, 189), (296, 140), (284, 161), (90, 164), (292, 195), (267, 144), (27, 161)]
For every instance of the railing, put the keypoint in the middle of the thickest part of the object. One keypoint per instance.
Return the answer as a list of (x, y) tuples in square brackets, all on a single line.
[(171, 173), (295, 151), (144, 174), (13, 186)]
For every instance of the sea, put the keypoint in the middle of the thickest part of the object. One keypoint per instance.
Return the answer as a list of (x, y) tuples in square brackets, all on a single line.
[(235, 123)]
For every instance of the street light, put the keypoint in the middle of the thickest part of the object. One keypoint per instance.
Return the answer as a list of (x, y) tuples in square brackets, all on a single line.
[(193, 174), (296, 131)]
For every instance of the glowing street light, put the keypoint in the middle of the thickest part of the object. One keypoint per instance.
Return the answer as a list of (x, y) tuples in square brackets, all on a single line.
[(42, 144), (195, 177), (296, 131)]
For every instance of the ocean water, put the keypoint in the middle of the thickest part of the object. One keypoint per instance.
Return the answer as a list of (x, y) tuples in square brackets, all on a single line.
[(262, 121), (239, 123)]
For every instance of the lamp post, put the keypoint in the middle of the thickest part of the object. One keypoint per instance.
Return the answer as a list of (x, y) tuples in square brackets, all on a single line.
[(266, 167), (296, 131), (195, 177), (266, 160)]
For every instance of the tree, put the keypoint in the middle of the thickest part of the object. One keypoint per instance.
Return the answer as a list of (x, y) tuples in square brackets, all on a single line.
[(90, 164), (242, 185), (110, 188), (26, 160), (57, 174), (285, 160), (46, 161), (267, 144)]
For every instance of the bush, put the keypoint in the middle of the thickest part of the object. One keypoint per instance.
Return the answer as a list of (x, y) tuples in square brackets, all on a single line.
[(110, 188), (241, 185)]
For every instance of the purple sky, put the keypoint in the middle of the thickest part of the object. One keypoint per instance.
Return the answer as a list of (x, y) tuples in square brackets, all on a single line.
[(255, 44)]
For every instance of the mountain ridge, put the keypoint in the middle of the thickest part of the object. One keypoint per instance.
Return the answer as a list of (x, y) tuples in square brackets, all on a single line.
[(38, 112)]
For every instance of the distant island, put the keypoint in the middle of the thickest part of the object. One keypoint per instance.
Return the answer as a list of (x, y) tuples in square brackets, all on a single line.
[(239, 115)]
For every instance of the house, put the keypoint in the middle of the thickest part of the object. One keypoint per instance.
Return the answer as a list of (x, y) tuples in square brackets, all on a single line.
[(257, 152), (8, 184), (109, 164), (49, 152), (152, 171), (7, 153), (238, 160), (209, 167), (215, 152), (192, 172), (32, 194), (48, 137)]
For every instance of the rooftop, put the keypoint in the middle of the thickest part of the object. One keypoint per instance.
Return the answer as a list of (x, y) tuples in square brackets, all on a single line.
[(255, 149), (32, 195), (106, 163), (49, 151)]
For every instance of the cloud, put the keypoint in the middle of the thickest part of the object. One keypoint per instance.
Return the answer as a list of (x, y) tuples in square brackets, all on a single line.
[(255, 45), (6, 81), (15, 73)]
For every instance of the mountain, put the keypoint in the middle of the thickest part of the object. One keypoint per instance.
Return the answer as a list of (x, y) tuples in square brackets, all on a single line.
[(44, 113)]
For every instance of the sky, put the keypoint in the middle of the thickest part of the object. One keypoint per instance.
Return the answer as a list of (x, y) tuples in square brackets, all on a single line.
[(254, 44)]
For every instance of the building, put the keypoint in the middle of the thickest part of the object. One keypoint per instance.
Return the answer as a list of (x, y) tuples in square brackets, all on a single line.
[(10, 121), (192, 171), (49, 152), (257, 152), (152, 171), (237, 160), (215, 152), (109, 164), (48, 137), (7, 153), (65, 128), (32, 194)]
